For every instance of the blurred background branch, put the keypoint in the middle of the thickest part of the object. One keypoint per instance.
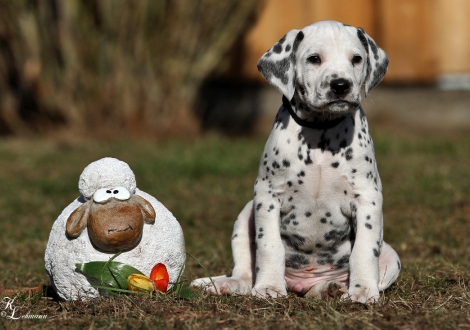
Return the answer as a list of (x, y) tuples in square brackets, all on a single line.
[(92, 66)]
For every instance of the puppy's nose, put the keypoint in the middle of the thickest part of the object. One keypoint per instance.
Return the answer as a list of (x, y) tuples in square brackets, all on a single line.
[(340, 86)]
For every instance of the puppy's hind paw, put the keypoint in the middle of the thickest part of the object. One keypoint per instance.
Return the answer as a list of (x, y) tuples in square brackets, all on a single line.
[(335, 290), (224, 284)]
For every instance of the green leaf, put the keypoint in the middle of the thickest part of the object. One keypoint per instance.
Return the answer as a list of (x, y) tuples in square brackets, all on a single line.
[(186, 293), (114, 291), (110, 273)]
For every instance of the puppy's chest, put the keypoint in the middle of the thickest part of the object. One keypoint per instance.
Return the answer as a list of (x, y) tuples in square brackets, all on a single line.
[(315, 198), (314, 175), (305, 165)]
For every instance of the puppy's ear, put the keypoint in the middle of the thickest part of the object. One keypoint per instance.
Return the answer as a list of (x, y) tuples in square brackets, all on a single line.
[(277, 65), (376, 64), (77, 221), (146, 208)]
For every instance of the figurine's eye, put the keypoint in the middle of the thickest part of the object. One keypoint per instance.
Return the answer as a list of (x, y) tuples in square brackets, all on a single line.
[(102, 195), (121, 193)]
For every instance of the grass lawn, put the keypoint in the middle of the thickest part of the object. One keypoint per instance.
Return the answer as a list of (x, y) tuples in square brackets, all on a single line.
[(205, 183)]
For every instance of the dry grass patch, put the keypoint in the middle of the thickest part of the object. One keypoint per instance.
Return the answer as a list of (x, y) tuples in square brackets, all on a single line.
[(205, 184)]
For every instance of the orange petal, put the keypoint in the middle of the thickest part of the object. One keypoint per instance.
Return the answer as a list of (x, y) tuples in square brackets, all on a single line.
[(140, 283), (160, 277)]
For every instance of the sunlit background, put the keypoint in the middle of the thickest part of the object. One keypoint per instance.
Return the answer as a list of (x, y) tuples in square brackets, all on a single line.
[(166, 68)]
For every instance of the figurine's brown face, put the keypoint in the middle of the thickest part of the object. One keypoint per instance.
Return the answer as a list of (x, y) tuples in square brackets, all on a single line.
[(114, 218)]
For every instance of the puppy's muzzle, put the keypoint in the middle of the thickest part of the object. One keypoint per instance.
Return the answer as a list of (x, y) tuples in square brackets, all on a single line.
[(340, 86)]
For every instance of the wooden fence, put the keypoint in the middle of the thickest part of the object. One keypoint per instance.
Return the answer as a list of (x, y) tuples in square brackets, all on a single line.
[(424, 39)]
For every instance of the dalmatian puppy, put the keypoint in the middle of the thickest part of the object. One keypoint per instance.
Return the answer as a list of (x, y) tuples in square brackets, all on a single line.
[(315, 226)]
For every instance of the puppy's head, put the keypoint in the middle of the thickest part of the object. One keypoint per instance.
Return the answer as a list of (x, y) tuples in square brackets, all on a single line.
[(325, 65)]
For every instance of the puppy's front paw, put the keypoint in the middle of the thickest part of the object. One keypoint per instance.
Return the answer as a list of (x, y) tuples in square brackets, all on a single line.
[(269, 291), (362, 293)]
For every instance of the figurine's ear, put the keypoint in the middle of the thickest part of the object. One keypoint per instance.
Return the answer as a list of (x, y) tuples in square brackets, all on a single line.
[(146, 208), (77, 221)]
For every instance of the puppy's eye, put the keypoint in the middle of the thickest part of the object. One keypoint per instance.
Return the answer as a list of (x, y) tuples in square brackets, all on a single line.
[(356, 59), (314, 59)]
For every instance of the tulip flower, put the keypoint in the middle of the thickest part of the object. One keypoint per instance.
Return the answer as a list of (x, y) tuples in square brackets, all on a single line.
[(140, 283), (160, 277)]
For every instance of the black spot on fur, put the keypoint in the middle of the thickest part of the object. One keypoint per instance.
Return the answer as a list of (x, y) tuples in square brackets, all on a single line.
[(285, 163), (298, 40), (368, 226), (335, 235), (277, 69), (349, 154), (343, 261), (376, 253), (296, 261), (374, 48), (308, 160), (308, 214), (295, 241), (335, 164), (258, 207)]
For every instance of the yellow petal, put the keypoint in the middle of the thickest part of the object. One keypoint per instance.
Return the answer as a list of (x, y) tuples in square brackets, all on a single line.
[(140, 283)]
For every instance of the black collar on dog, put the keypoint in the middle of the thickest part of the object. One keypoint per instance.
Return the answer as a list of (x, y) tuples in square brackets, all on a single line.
[(322, 125)]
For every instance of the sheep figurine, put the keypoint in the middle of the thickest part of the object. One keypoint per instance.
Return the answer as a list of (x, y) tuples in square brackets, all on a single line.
[(111, 215)]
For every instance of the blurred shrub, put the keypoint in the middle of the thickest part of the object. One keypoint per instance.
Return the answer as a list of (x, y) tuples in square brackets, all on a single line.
[(111, 66)]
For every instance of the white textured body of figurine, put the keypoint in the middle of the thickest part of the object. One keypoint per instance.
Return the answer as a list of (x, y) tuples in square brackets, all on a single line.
[(110, 216)]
